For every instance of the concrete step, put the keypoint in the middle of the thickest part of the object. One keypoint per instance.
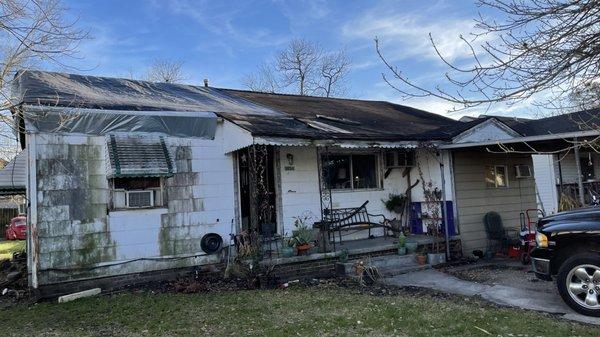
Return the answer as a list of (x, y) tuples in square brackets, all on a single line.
[(388, 265)]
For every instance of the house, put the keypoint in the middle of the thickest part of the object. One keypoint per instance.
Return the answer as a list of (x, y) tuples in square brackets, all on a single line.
[(127, 177)]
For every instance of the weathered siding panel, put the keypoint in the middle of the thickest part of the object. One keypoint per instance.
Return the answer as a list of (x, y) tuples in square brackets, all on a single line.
[(76, 230), (474, 199)]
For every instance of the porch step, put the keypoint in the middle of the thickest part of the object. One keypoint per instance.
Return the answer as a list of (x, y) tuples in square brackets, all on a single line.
[(388, 265)]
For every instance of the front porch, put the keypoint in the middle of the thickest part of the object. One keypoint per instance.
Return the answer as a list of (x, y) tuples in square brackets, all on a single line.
[(362, 247)]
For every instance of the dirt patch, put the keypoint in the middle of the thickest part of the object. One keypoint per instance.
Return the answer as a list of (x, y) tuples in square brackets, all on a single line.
[(507, 274)]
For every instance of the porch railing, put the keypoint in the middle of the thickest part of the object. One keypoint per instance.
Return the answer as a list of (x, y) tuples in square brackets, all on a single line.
[(571, 190)]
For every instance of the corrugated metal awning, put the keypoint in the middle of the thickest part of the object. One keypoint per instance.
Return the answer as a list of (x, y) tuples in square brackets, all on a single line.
[(347, 144), (138, 156)]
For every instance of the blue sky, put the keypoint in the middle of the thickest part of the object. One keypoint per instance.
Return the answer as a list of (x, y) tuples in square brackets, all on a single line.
[(225, 40)]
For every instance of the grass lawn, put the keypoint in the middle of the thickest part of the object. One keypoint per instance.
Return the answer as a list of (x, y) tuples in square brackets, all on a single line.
[(314, 311), (7, 248)]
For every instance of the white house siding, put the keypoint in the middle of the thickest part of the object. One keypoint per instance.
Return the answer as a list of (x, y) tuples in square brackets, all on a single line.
[(75, 231), (545, 182), (474, 199), (300, 186)]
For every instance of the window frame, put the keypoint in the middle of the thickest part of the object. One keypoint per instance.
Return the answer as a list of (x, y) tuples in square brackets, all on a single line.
[(496, 186), (158, 197), (378, 174)]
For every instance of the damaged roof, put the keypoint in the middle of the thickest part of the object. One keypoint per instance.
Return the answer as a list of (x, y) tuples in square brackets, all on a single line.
[(108, 93), (347, 118), (260, 113), (276, 115)]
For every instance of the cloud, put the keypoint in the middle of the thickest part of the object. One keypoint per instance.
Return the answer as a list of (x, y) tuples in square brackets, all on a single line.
[(405, 35), (221, 20)]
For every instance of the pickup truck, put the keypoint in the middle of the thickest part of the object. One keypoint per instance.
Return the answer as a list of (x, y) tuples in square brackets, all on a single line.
[(568, 250)]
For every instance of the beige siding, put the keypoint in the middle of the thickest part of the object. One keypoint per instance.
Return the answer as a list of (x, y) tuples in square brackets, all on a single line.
[(474, 199)]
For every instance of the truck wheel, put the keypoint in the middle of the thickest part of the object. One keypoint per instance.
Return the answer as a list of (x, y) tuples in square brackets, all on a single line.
[(578, 283)]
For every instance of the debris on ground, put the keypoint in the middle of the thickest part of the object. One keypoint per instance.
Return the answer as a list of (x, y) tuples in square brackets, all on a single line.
[(13, 280)]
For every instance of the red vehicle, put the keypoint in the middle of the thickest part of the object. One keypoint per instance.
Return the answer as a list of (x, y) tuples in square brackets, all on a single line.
[(17, 229)]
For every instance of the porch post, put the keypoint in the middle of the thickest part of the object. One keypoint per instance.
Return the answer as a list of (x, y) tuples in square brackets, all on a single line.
[(578, 165), (446, 234)]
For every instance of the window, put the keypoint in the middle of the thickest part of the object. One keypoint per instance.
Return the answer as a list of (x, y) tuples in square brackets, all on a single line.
[(495, 176), (140, 192), (399, 158), (351, 171), (139, 164)]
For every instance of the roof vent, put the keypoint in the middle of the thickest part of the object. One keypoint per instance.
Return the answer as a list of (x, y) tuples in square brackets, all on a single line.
[(206, 82)]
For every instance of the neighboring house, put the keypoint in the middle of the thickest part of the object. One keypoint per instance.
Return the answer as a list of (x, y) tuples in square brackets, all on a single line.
[(129, 176), (13, 179)]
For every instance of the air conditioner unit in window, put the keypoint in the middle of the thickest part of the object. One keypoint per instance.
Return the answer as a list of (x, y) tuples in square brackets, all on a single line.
[(399, 158), (523, 171), (139, 199)]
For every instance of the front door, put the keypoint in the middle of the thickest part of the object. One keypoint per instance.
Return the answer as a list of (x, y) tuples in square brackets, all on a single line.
[(257, 189)]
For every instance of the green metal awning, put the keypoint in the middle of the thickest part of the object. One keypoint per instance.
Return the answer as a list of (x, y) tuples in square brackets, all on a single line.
[(138, 156)]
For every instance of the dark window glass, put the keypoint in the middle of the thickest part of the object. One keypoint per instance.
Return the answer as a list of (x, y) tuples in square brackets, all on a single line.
[(587, 169), (137, 183), (364, 171), (336, 171), (350, 171)]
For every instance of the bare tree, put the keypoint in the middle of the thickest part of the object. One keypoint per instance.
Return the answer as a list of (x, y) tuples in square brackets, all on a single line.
[(548, 47), (263, 80), (333, 69), (298, 64), (33, 33), (165, 70), (301, 68)]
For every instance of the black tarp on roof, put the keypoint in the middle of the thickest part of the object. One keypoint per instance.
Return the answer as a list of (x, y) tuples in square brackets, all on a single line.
[(107, 93)]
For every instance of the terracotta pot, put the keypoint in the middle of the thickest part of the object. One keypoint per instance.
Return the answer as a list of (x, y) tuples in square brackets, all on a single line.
[(421, 259), (303, 249)]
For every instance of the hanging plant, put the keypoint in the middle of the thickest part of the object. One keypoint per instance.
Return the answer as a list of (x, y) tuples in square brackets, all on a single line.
[(395, 202)]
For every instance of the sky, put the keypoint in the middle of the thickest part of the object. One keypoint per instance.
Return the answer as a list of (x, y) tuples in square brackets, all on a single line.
[(225, 40)]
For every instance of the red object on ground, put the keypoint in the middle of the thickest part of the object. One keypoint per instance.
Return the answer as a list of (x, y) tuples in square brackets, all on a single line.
[(514, 252), (17, 229)]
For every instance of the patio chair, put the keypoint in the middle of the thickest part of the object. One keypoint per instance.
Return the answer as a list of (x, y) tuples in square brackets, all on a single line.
[(497, 234)]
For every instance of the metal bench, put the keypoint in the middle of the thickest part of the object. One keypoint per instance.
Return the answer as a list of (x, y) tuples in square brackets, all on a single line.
[(346, 219)]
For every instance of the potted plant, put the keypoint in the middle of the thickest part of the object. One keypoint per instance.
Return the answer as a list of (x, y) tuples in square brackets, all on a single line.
[(401, 244), (395, 203), (302, 235), (422, 256), (287, 250)]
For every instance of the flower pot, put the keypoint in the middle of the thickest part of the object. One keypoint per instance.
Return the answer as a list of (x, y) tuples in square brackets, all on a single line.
[(411, 247), (436, 258), (421, 259), (287, 251), (303, 249), (401, 250)]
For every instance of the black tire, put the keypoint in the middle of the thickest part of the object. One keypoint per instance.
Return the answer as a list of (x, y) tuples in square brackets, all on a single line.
[(580, 259)]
